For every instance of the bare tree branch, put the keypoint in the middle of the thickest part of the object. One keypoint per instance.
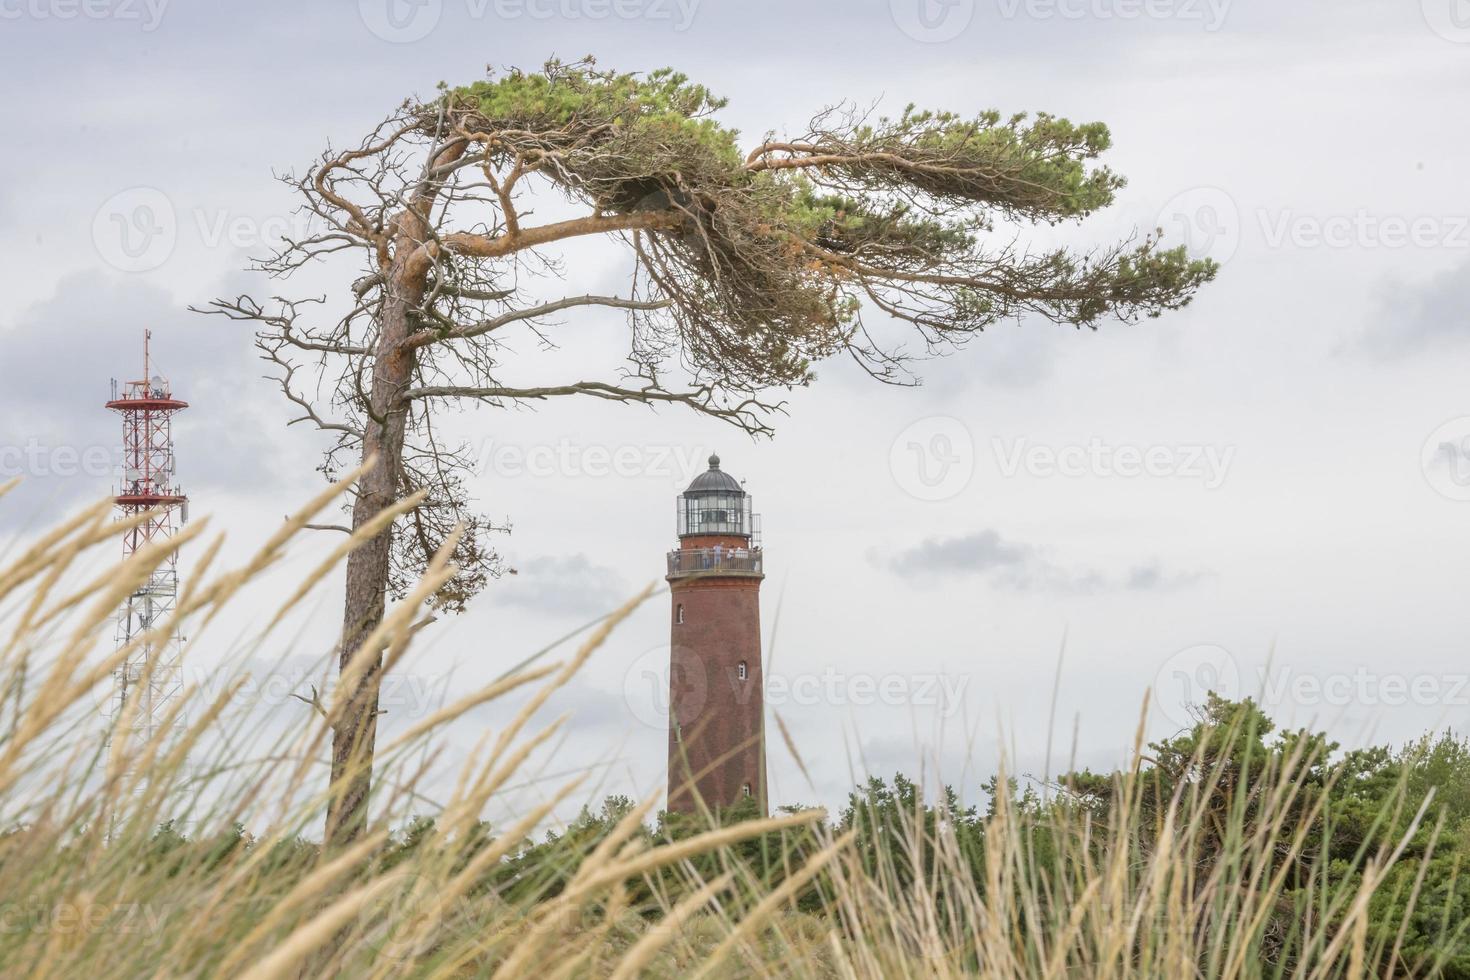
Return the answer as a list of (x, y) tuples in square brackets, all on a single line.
[(424, 337)]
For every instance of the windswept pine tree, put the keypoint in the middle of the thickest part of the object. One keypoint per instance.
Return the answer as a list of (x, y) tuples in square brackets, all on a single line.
[(747, 263)]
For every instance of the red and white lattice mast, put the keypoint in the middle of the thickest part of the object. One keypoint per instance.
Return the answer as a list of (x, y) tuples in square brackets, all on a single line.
[(149, 484)]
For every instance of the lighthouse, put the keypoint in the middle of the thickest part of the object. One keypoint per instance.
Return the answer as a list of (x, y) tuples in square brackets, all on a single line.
[(717, 750)]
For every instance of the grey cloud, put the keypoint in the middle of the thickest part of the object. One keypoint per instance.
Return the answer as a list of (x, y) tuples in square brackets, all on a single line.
[(1025, 568), (563, 585), (983, 551), (59, 357), (1153, 577), (1414, 318)]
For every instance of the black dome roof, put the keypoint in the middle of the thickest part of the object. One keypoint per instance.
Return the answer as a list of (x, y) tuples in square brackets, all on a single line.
[(714, 480)]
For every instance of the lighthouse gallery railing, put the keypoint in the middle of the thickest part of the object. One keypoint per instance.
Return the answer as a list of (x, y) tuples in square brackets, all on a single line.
[(693, 561)]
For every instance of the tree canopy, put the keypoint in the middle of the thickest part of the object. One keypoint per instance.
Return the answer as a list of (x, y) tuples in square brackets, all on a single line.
[(751, 262)]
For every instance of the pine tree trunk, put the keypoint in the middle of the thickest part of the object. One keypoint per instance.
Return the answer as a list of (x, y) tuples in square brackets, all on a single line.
[(354, 735)]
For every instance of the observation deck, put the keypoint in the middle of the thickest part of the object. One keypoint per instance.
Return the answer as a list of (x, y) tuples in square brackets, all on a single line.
[(721, 562)]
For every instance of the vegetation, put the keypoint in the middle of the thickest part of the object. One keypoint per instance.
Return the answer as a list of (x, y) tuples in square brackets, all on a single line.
[(1229, 850), (742, 267)]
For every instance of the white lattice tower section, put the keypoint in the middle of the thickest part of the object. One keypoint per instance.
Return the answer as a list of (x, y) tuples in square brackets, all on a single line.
[(142, 698)]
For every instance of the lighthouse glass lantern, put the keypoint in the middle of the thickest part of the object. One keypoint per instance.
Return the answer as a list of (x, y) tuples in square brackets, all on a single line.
[(715, 503)]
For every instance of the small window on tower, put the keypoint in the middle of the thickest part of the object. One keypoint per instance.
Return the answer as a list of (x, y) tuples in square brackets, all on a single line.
[(746, 789), (741, 670), (679, 613)]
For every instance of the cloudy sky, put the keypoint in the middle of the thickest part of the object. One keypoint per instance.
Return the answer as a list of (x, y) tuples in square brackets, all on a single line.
[(1268, 492)]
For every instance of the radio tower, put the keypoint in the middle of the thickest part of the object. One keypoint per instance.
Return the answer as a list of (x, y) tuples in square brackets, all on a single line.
[(147, 408)]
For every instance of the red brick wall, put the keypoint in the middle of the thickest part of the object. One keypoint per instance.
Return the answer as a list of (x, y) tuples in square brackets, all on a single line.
[(716, 720)]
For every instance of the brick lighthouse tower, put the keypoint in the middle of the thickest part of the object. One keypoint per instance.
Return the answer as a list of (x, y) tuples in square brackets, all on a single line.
[(717, 748)]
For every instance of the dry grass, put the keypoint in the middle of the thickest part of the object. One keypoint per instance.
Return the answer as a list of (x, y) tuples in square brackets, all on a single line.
[(87, 891)]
